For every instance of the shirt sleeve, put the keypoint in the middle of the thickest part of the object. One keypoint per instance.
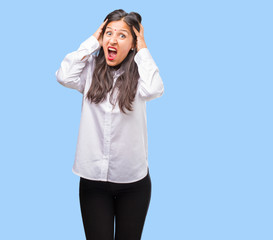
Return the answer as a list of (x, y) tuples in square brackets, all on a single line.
[(150, 82), (74, 68)]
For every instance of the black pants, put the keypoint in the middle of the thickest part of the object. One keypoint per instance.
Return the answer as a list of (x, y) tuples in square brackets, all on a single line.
[(103, 203)]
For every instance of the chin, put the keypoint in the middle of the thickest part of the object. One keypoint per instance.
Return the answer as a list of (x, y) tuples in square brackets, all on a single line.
[(112, 64)]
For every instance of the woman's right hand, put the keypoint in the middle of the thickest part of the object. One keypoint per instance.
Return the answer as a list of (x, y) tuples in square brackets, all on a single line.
[(98, 33)]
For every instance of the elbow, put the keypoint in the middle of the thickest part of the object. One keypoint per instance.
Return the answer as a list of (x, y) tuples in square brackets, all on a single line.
[(158, 92), (161, 90), (150, 94), (60, 76)]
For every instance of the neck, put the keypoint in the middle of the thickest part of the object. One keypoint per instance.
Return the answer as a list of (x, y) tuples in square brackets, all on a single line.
[(116, 67)]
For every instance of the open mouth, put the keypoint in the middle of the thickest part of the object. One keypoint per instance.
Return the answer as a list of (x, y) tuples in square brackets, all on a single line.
[(112, 53)]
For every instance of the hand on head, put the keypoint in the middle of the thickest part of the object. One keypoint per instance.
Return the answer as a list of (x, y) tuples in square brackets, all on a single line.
[(140, 37), (98, 33), (140, 42)]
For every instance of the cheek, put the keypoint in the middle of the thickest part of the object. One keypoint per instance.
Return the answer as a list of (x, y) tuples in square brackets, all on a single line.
[(127, 47), (125, 51), (104, 45), (103, 42)]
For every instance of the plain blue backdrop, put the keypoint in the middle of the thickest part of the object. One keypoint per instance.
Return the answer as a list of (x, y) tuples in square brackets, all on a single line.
[(210, 134)]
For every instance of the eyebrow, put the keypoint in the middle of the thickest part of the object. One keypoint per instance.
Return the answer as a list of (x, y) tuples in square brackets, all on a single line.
[(123, 30)]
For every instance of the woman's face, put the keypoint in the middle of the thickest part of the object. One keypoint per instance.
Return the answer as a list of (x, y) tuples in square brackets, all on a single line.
[(117, 42)]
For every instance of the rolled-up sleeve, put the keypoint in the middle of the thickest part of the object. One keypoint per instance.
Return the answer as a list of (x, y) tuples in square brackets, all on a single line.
[(74, 67), (150, 83)]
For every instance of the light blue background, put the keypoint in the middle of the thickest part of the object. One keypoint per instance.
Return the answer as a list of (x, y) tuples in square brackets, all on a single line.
[(210, 134)]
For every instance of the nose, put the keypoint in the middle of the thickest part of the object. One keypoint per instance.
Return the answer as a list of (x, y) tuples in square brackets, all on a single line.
[(113, 40)]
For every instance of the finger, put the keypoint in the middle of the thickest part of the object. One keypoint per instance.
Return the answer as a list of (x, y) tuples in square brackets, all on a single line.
[(136, 32), (102, 25), (141, 29)]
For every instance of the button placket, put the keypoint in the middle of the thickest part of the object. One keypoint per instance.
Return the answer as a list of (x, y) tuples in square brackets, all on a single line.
[(106, 141), (107, 135)]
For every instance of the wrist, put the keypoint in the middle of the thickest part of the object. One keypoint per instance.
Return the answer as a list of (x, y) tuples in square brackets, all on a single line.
[(143, 45)]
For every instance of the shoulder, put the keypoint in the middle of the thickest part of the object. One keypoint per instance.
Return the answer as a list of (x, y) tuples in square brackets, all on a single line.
[(91, 61)]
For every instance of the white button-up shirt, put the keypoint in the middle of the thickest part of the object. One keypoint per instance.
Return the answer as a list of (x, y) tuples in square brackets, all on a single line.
[(112, 146)]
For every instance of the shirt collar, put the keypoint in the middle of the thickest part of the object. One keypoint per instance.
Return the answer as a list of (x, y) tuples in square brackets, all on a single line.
[(117, 73)]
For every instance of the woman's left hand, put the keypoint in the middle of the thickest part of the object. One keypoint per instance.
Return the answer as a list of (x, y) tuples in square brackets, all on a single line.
[(140, 38)]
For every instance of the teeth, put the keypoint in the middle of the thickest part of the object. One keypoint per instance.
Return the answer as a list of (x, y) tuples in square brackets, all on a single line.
[(112, 49)]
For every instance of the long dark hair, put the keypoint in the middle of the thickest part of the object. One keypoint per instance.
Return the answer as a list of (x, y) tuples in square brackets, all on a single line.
[(102, 79)]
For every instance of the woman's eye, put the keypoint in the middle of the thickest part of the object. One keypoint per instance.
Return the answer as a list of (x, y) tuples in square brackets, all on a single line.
[(108, 33), (122, 36)]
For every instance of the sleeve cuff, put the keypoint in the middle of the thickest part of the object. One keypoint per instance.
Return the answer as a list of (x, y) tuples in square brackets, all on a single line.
[(91, 44), (143, 55)]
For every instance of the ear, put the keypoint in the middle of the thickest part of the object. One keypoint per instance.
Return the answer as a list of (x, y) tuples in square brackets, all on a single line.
[(133, 45)]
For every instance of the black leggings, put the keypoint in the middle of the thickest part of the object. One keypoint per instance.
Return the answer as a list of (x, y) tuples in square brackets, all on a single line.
[(103, 202)]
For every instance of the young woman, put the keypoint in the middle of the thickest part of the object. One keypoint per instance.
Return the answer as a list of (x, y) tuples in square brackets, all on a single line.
[(116, 74)]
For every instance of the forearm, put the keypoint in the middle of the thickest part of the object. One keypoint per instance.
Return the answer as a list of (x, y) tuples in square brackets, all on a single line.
[(150, 83), (73, 64)]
